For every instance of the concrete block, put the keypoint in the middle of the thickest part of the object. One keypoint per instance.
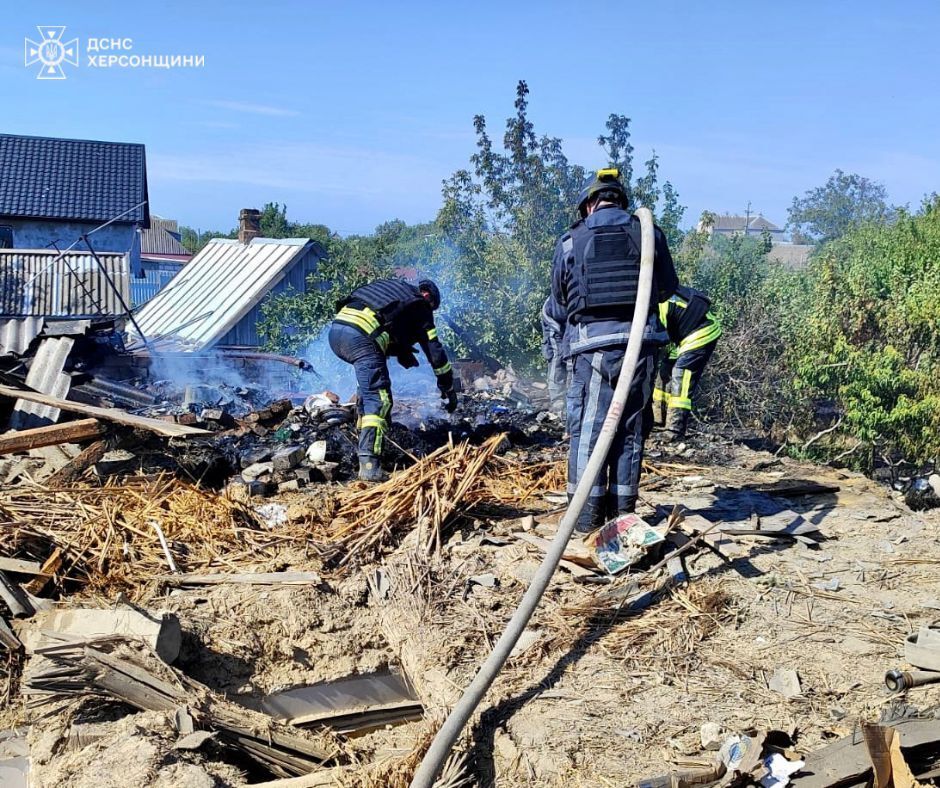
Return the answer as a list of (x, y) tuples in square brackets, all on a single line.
[(252, 472), (287, 458)]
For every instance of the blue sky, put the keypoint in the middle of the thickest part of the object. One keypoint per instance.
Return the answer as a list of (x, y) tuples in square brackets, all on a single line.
[(353, 113)]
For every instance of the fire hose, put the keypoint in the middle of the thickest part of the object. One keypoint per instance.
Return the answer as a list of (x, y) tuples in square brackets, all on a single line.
[(444, 740)]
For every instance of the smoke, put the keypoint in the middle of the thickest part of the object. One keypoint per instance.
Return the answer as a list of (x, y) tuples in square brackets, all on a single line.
[(339, 377)]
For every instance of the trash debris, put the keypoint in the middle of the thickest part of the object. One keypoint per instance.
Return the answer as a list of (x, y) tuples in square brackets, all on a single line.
[(623, 542), (786, 682)]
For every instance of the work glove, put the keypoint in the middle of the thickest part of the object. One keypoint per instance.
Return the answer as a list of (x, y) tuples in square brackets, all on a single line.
[(450, 400), (406, 357)]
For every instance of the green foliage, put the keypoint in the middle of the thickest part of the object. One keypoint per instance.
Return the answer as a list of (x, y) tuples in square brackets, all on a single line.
[(501, 219), (829, 211), (869, 338)]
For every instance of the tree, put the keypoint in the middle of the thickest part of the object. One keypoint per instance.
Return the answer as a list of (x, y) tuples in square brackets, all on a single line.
[(844, 201), (502, 217)]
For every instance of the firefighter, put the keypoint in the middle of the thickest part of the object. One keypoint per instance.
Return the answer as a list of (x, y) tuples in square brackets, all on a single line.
[(595, 275), (552, 338), (381, 319), (693, 333)]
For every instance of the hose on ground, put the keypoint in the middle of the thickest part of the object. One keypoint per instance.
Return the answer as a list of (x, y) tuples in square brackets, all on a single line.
[(430, 766)]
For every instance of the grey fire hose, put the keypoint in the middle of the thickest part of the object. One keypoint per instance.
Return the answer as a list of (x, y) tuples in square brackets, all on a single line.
[(444, 740)]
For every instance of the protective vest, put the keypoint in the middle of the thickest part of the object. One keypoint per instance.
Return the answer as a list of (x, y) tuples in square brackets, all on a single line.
[(386, 297), (692, 316), (606, 271)]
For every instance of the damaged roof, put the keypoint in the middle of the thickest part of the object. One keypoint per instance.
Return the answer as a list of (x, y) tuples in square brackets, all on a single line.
[(217, 288), (76, 180)]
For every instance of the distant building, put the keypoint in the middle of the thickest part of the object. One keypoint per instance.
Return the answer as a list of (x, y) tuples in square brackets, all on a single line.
[(53, 191), (743, 225), (162, 256), (792, 256)]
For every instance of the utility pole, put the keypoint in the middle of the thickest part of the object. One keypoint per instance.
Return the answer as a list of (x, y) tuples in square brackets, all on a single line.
[(747, 218)]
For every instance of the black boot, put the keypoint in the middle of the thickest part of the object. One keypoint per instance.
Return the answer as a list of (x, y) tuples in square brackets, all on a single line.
[(677, 420), (370, 470)]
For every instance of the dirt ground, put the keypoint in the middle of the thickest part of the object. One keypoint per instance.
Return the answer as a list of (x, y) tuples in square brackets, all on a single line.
[(590, 698)]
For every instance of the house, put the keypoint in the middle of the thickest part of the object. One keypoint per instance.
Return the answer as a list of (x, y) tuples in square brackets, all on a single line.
[(53, 191), (162, 256), (215, 300), (756, 225), (791, 256)]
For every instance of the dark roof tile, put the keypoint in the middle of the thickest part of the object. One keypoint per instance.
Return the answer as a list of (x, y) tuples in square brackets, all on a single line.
[(90, 180)]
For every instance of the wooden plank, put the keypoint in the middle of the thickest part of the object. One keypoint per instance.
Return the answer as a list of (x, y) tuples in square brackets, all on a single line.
[(51, 435), (107, 414), (49, 567), (74, 468), (20, 567), (250, 578)]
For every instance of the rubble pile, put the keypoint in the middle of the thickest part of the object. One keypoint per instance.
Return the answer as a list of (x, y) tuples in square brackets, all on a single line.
[(192, 583)]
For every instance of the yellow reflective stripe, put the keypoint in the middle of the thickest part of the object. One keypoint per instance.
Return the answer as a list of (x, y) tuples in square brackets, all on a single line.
[(363, 318), (683, 401), (446, 368), (386, 403), (366, 320), (660, 396), (379, 425), (432, 333), (663, 312), (700, 337)]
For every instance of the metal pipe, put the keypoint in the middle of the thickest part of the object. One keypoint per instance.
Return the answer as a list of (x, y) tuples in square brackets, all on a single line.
[(900, 680), (444, 740)]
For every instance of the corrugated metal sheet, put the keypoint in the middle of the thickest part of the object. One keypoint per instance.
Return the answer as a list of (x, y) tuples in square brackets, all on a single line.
[(218, 288), (45, 375), (16, 334), (39, 283), (156, 277)]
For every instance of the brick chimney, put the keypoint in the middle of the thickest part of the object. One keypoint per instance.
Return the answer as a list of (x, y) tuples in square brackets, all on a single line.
[(249, 224)]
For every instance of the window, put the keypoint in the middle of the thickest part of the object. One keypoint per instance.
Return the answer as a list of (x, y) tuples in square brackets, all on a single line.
[(6, 236)]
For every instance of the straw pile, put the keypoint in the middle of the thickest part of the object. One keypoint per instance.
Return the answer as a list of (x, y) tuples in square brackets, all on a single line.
[(423, 496), (108, 536)]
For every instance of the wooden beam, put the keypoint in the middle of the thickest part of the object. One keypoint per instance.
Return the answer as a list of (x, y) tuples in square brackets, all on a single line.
[(251, 578), (105, 414), (73, 469), (52, 435)]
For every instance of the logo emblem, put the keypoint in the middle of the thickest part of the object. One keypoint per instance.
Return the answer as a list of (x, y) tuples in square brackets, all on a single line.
[(51, 52)]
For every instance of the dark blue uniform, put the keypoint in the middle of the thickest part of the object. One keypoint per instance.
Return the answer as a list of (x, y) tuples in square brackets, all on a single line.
[(385, 318), (595, 274), (553, 333)]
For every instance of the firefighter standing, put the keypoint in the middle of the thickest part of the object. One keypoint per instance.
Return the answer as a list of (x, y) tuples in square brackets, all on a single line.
[(595, 276), (693, 331), (387, 318)]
